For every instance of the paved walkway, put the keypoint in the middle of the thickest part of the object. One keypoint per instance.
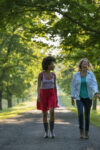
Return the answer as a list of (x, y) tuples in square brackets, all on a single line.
[(26, 132)]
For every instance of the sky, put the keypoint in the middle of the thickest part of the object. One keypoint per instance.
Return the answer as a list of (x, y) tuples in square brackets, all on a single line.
[(54, 44)]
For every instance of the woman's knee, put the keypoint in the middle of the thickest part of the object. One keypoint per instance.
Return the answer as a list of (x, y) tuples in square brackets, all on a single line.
[(52, 111), (52, 114)]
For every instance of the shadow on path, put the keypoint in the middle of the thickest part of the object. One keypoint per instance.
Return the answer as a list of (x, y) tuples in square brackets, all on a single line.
[(26, 132)]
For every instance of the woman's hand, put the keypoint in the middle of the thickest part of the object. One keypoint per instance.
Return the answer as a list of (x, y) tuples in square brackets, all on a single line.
[(97, 95), (73, 101)]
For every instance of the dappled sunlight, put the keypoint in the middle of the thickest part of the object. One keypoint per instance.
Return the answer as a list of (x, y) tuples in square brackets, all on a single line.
[(62, 110), (36, 116), (30, 30), (98, 109), (61, 122), (18, 110), (90, 149), (27, 128)]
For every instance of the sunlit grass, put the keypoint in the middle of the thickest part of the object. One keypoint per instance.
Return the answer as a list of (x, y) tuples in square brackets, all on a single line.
[(94, 116), (18, 109)]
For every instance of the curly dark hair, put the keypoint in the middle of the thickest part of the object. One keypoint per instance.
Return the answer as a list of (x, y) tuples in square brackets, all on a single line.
[(47, 61)]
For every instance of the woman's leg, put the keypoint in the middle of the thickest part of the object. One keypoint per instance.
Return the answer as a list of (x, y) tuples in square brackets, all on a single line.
[(80, 116), (87, 106), (52, 115), (52, 118), (45, 115), (45, 123)]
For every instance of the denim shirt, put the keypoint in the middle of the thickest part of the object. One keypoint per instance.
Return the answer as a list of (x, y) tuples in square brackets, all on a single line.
[(91, 82)]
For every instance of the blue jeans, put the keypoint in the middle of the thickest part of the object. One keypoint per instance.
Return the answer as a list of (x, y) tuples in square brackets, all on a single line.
[(86, 104)]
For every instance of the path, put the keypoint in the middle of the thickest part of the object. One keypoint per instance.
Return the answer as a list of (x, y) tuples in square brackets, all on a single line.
[(25, 132)]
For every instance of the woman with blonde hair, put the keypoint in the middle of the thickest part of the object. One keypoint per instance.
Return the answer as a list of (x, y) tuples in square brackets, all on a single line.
[(84, 87)]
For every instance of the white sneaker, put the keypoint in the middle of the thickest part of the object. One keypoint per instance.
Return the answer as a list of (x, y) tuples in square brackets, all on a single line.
[(46, 135), (52, 135)]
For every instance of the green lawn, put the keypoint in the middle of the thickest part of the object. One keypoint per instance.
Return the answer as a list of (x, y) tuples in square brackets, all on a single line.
[(30, 105), (95, 115), (18, 109)]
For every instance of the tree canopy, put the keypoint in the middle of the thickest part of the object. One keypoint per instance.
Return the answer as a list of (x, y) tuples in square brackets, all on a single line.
[(22, 23)]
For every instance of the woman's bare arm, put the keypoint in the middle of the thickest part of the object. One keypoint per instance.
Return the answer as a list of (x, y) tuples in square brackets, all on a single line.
[(55, 86), (38, 86)]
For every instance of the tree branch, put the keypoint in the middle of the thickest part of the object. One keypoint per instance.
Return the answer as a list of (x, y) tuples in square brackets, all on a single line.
[(77, 22)]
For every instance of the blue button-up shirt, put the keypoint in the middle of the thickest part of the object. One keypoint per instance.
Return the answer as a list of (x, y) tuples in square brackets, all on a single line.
[(91, 82)]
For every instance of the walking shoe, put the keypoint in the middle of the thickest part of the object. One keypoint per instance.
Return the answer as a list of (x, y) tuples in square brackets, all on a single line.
[(46, 130), (52, 135), (86, 135), (46, 135), (81, 134)]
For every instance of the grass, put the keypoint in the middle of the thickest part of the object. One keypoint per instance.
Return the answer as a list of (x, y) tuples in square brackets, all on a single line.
[(30, 105), (95, 115), (18, 109), (5, 103), (95, 118)]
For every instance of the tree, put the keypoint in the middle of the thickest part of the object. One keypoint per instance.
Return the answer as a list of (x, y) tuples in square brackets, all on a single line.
[(76, 22)]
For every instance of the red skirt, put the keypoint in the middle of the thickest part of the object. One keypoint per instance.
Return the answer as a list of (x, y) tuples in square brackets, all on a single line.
[(48, 99)]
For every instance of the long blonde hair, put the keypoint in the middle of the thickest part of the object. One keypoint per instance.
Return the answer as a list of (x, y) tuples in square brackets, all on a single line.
[(90, 67)]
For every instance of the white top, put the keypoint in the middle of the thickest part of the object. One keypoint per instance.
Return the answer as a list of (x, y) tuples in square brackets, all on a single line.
[(47, 84), (91, 82)]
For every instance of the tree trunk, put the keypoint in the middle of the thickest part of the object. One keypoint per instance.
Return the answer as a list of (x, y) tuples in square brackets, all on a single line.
[(94, 103), (0, 100), (9, 103), (9, 100), (22, 99), (17, 101)]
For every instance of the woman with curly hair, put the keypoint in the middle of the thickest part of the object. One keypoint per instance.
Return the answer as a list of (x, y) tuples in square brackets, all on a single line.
[(47, 93), (84, 87)]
